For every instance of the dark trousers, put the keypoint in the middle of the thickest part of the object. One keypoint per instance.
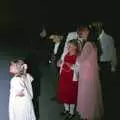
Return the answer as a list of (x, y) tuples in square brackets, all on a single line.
[(106, 85), (36, 107), (55, 76), (36, 94), (105, 73)]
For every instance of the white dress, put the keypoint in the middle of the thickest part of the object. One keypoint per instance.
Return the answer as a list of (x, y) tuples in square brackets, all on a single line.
[(21, 108)]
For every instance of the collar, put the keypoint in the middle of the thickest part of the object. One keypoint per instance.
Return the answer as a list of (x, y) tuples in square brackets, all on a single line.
[(57, 43), (100, 36)]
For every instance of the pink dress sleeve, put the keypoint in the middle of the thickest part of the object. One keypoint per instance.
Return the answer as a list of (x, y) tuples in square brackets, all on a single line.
[(89, 87), (88, 61), (86, 51)]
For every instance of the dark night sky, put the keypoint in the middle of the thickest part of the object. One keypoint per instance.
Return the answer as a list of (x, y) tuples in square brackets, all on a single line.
[(56, 11), (25, 16)]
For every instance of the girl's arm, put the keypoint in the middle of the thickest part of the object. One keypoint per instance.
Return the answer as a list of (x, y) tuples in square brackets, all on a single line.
[(75, 66), (19, 87), (20, 94)]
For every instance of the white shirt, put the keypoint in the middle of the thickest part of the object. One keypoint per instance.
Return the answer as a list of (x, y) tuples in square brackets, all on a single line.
[(108, 49), (56, 47)]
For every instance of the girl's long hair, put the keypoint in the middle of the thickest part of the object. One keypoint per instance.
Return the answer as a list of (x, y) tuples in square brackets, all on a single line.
[(94, 38)]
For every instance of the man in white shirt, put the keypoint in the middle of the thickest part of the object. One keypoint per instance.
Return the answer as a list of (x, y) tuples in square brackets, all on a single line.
[(74, 35), (108, 49), (107, 46), (107, 62)]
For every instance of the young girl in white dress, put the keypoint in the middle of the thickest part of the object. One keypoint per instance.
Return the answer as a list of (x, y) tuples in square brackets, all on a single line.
[(20, 99)]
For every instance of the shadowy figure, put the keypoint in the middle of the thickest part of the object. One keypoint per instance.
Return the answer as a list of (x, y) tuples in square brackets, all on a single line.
[(33, 62), (55, 51)]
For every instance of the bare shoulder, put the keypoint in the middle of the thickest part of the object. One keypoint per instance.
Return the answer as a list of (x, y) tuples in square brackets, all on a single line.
[(88, 44), (89, 47)]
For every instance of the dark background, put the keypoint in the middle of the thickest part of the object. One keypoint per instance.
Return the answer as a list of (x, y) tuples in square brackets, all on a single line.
[(23, 18), (20, 22)]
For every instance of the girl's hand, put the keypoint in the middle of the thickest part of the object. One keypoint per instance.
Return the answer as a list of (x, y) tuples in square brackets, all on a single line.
[(20, 94), (68, 64)]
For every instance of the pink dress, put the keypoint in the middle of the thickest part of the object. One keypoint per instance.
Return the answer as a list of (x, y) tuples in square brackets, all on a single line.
[(89, 102), (67, 88)]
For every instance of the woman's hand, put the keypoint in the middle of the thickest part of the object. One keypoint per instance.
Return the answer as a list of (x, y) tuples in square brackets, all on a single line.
[(59, 62), (99, 68)]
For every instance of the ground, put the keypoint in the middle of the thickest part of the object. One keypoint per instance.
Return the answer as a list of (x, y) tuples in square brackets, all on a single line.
[(49, 110)]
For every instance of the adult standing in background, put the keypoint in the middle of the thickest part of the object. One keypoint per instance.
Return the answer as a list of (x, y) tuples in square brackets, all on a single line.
[(55, 52), (108, 47), (107, 62), (73, 35), (43, 32), (33, 61), (44, 43)]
